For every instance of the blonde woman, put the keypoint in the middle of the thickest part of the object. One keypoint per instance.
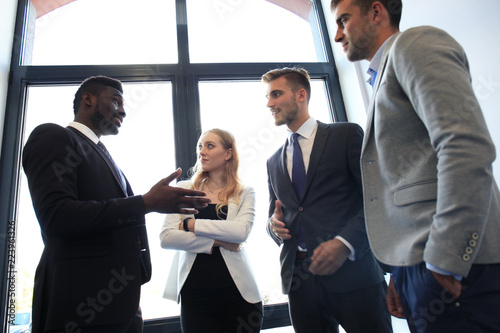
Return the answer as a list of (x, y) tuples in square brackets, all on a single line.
[(211, 275)]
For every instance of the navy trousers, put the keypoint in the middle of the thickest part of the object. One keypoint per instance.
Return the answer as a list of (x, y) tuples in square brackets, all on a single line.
[(430, 308), (316, 309)]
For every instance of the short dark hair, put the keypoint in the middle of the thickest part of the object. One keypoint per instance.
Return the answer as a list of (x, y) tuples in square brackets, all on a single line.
[(296, 77), (95, 85), (394, 7)]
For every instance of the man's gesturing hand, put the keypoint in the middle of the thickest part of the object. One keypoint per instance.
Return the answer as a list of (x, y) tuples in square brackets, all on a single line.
[(278, 227), (163, 198)]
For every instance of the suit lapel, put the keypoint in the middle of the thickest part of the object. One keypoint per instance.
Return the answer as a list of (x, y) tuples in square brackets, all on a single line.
[(283, 172), (113, 169), (104, 157), (316, 153), (371, 106)]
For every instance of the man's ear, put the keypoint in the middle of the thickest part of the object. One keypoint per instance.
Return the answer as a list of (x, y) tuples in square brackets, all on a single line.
[(377, 9), (88, 99), (301, 95)]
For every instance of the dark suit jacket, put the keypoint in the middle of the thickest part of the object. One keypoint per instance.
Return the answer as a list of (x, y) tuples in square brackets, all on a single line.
[(332, 205), (96, 253)]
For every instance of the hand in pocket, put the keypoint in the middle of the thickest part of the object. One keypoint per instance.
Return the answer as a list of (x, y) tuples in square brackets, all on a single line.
[(452, 285)]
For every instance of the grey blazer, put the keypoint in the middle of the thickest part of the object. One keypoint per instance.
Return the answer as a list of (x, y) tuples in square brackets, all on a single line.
[(331, 205), (427, 156)]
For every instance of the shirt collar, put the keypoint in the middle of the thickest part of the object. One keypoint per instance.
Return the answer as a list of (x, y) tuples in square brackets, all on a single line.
[(375, 63), (307, 128), (85, 131)]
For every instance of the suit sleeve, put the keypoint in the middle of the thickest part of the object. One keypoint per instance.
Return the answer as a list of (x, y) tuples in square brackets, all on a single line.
[(434, 73), (52, 165), (354, 231)]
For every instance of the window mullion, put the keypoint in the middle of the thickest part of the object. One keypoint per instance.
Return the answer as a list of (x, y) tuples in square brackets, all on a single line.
[(186, 110)]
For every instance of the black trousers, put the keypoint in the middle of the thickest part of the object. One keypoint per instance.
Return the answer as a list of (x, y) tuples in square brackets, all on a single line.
[(314, 308), (219, 311), (134, 325), (430, 308)]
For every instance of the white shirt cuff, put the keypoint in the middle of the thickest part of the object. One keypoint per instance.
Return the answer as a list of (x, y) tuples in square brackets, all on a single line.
[(352, 255)]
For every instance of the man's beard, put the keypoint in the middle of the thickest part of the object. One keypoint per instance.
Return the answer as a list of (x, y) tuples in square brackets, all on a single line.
[(105, 126), (289, 116)]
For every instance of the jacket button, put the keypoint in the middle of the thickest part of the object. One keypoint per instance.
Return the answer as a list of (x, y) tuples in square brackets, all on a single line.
[(475, 236), (301, 209), (469, 250), (472, 243), (466, 257)]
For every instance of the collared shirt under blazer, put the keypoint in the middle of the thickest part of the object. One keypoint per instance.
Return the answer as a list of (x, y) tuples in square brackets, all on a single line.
[(426, 163)]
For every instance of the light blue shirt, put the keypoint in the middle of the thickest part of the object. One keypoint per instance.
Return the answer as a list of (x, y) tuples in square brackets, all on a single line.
[(375, 63)]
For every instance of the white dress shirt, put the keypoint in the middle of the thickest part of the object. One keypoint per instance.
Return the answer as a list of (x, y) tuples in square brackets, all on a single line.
[(85, 131)]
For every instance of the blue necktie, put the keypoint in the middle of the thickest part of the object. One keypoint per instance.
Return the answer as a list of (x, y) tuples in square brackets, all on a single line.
[(117, 169), (374, 77), (298, 178), (298, 169)]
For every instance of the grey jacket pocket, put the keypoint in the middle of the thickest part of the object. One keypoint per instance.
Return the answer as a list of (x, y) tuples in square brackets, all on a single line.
[(423, 191)]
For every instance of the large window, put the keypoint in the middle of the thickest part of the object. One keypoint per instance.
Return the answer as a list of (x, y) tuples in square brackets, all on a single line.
[(96, 32), (252, 31), (187, 65)]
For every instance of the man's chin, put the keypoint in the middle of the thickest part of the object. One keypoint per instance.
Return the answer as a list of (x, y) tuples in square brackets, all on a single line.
[(111, 131), (107, 127), (355, 56), (279, 122)]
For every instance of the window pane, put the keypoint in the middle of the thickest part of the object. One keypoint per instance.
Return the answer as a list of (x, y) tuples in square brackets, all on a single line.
[(96, 32), (145, 152), (252, 31), (245, 115)]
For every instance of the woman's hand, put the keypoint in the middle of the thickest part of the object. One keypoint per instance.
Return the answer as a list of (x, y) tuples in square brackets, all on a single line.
[(228, 246)]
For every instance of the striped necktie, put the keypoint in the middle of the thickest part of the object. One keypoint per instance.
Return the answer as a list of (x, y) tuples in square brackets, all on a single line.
[(117, 169)]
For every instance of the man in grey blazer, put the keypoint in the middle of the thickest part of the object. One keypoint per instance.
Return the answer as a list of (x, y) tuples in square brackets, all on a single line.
[(327, 268), (431, 202)]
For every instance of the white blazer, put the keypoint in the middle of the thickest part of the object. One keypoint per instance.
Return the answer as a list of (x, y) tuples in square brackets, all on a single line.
[(234, 229)]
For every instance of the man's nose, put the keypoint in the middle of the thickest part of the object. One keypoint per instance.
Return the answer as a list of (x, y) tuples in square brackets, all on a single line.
[(339, 35), (270, 103)]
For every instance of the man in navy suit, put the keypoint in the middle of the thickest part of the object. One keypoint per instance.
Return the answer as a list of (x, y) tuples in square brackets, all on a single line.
[(327, 268), (96, 254)]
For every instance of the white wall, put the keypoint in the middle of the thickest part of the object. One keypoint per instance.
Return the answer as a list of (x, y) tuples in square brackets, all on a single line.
[(474, 24), (7, 21)]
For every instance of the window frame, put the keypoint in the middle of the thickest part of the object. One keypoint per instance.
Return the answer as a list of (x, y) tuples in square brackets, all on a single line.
[(187, 125)]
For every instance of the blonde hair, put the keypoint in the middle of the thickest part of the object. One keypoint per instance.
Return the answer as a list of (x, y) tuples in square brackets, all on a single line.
[(234, 186)]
